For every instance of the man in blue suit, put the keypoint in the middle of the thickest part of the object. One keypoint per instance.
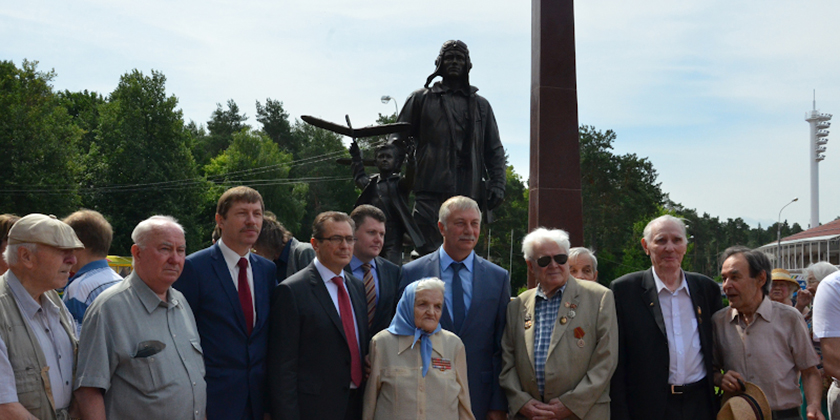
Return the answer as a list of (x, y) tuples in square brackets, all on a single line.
[(228, 289), (475, 302)]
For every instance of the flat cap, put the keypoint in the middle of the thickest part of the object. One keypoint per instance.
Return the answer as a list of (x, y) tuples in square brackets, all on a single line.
[(42, 229)]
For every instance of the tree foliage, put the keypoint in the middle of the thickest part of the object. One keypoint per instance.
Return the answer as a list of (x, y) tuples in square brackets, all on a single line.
[(38, 138)]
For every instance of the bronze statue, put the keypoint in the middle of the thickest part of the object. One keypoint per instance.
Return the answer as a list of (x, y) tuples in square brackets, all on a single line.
[(458, 149), (388, 191)]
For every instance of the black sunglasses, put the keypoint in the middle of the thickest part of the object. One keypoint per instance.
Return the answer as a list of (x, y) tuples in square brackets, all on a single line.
[(559, 259)]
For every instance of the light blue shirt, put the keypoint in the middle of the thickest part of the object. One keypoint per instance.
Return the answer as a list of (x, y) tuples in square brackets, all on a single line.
[(466, 275), (356, 269)]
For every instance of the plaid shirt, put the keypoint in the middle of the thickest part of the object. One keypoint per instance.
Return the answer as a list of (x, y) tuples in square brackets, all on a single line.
[(545, 312)]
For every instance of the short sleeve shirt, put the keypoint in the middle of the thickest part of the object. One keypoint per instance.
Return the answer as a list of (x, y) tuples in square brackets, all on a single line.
[(827, 308), (117, 353), (770, 352)]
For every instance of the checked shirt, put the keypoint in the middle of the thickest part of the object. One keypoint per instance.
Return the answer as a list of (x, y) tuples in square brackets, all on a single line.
[(545, 312)]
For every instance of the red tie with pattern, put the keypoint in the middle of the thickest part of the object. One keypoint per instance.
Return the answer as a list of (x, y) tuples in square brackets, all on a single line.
[(245, 295), (348, 322)]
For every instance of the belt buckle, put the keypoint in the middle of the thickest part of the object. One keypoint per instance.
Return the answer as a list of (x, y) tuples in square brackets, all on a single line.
[(674, 391)]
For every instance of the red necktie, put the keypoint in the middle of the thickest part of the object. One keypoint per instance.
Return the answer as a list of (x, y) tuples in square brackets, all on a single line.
[(245, 295), (347, 321)]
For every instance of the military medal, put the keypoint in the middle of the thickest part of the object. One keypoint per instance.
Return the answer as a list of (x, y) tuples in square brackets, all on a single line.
[(572, 311), (563, 320), (528, 322), (441, 364), (579, 333), (567, 304)]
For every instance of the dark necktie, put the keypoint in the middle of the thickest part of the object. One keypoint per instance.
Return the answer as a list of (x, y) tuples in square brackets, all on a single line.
[(370, 291), (458, 307), (347, 321), (245, 295)]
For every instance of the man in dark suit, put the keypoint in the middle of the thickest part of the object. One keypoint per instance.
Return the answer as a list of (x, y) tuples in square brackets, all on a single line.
[(665, 334), (318, 332), (229, 290), (476, 298), (380, 277)]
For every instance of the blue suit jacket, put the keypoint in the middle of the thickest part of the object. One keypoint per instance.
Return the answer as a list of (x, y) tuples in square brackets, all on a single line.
[(482, 329), (234, 362)]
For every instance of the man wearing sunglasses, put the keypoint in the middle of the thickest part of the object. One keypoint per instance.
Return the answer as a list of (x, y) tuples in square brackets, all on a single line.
[(560, 346), (665, 333), (476, 295)]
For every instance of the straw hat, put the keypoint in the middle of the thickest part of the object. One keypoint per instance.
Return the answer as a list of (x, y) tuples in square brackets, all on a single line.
[(780, 274), (751, 404)]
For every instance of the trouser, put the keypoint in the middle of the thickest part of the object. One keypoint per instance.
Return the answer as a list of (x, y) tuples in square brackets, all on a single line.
[(789, 414), (693, 402), (834, 401)]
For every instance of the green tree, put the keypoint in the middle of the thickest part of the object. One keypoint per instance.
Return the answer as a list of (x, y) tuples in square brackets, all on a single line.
[(275, 124), (221, 127), (253, 159), (83, 107), (38, 137), (139, 164)]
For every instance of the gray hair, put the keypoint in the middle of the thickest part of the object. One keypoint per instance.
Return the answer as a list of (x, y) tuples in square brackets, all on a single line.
[(11, 252), (542, 235), (430, 283), (648, 232), (145, 228), (579, 250), (820, 270), (457, 203)]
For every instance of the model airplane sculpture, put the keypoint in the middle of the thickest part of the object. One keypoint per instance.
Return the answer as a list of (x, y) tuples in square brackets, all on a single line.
[(357, 133)]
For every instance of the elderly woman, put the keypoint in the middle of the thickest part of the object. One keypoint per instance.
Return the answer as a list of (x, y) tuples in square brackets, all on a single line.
[(418, 370), (560, 345), (813, 276), (783, 286)]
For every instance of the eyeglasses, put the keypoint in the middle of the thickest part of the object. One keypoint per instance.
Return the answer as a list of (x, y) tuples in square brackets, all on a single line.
[(559, 259), (336, 240)]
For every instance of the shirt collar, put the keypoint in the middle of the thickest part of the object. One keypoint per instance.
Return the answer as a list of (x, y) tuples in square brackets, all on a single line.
[(326, 274), (27, 305), (764, 310), (147, 296), (446, 260), (660, 285), (231, 257), (355, 263), (405, 341), (439, 87), (541, 294), (93, 265)]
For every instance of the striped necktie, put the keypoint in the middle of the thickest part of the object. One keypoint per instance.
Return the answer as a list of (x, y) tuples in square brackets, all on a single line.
[(370, 292)]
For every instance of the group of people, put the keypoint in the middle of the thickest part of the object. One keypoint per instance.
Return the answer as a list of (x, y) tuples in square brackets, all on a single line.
[(331, 330)]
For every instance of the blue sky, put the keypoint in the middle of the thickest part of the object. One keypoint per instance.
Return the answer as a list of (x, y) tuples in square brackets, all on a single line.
[(714, 93)]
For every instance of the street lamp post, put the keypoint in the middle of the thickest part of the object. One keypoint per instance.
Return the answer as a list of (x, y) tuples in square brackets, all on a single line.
[(779, 234), (385, 99)]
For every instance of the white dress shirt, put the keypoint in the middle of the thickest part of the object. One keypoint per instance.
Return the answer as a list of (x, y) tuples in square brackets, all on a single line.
[(686, 356), (232, 261)]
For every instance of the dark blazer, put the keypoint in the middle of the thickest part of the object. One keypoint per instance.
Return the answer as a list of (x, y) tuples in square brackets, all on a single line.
[(309, 361), (389, 281), (234, 362), (482, 329), (640, 383)]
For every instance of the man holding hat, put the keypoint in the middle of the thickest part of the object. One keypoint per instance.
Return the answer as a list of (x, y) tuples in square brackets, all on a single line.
[(762, 341), (37, 333)]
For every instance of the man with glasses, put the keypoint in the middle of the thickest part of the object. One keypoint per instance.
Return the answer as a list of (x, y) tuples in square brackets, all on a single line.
[(570, 328), (665, 333), (319, 331), (476, 297)]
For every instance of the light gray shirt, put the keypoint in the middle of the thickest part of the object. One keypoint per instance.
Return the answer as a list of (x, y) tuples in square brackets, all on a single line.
[(45, 321), (686, 361), (167, 384)]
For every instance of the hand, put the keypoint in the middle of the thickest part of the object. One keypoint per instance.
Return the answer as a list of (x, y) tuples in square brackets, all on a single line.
[(495, 196), (355, 152), (496, 415), (803, 299), (367, 366), (729, 382), (534, 409), (559, 410), (814, 413)]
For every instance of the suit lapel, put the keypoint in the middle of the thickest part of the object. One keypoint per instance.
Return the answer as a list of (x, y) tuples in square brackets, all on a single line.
[(319, 289), (698, 300), (478, 293), (261, 301), (651, 299), (528, 313), (385, 291), (570, 296), (226, 283)]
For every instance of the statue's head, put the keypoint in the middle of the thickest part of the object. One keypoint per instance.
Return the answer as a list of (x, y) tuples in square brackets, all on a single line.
[(389, 158), (453, 61)]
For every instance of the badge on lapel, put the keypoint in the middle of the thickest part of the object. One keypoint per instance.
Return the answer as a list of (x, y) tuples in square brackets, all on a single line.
[(579, 333)]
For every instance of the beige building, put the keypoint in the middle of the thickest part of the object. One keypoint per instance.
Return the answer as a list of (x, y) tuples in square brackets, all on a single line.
[(796, 252)]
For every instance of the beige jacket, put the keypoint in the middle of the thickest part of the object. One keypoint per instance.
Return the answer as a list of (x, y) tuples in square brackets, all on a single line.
[(577, 370), (397, 389)]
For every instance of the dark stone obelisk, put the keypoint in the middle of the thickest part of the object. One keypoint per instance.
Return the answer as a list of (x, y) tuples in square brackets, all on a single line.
[(555, 188)]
